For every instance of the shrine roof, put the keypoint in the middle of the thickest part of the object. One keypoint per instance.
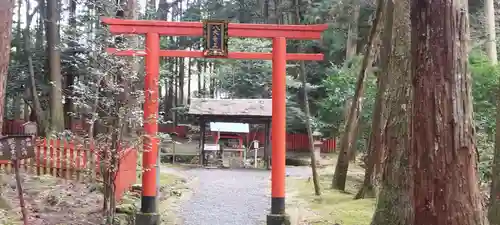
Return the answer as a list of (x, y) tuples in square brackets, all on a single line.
[(231, 107)]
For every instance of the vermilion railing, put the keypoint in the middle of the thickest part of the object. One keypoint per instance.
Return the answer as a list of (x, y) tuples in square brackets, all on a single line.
[(294, 142), (297, 142)]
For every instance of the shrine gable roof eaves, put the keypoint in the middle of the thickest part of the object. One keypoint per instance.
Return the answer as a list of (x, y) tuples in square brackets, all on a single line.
[(231, 107)]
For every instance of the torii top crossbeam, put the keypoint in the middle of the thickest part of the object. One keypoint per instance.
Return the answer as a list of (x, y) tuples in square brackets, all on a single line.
[(298, 32)]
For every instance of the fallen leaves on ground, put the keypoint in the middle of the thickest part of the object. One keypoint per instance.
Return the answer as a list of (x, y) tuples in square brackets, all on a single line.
[(51, 200)]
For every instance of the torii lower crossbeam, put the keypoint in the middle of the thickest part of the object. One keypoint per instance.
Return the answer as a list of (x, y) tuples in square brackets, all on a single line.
[(231, 55), (153, 29)]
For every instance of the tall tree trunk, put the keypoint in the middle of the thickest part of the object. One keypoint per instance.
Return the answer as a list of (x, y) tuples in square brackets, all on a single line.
[(19, 31), (189, 81), (375, 145), (266, 11), (54, 54), (491, 45), (71, 75), (276, 17), (442, 156), (170, 94), (26, 110), (40, 115), (198, 70), (41, 26), (175, 85), (204, 77), (181, 75), (6, 11), (353, 146), (162, 14), (340, 175), (17, 105), (243, 13), (181, 81), (395, 202), (212, 82), (150, 9), (352, 34), (306, 109)]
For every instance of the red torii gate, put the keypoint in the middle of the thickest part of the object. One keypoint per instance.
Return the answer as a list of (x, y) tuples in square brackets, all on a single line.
[(153, 29)]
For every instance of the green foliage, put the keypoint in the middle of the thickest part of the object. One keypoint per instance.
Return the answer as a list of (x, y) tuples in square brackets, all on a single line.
[(339, 87), (246, 78), (485, 148), (484, 90)]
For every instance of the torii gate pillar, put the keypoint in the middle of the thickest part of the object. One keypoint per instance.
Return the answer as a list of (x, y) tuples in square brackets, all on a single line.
[(149, 212), (278, 133)]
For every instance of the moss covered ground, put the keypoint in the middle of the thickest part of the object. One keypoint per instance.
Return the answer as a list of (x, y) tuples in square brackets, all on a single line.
[(334, 206)]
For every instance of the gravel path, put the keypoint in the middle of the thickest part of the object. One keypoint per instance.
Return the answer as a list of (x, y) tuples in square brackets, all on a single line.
[(230, 196)]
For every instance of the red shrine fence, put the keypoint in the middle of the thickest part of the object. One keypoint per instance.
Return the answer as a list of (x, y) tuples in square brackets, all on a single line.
[(73, 160), (294, 142)]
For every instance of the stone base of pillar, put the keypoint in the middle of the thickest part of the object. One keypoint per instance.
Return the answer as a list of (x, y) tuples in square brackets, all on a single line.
[(278, 219), (147, 219)]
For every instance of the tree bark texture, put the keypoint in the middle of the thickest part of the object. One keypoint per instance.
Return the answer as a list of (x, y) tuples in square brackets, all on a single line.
[(375, 146), (54, 54), (442, 155), (40, 115), (307, 111), (352, 34), (181, 78), (190, 64), (342, 166), (6, 11), (72, 73), (198, 70), (491, 44), (18, 97), (395, 203)]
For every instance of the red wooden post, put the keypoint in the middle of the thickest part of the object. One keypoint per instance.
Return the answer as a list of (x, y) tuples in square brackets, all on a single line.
[(37, 156), (148, 199), (79, 166), (58, 157), (64, 158), (44, 161), (277, 215), (72, 163)]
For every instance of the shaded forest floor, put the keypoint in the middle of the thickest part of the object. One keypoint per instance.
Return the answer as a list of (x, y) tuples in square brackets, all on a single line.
[(333, 206), (53, 200)]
